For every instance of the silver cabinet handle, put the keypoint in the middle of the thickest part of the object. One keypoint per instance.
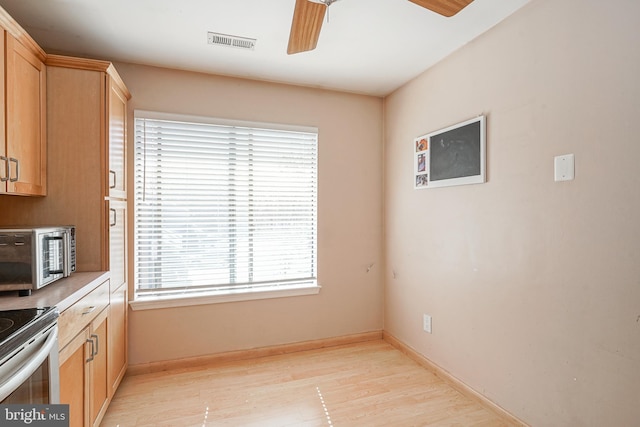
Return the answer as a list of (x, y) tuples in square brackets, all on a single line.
[(93, 353), (97, 342), (6, 169), (89, 310), (112, 172), (11, 159), (115, 217)]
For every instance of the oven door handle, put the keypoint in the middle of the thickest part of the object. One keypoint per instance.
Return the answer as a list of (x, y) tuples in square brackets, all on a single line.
[(30, 366)]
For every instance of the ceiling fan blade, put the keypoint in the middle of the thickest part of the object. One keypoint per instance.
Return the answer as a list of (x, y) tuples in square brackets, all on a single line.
[(443, 7), (306, 25)]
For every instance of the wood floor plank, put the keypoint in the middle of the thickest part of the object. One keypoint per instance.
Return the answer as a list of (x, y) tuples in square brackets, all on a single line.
[(364, 384)]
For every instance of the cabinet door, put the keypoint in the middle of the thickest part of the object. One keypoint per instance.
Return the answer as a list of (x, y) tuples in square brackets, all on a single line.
[(4, 160), (117, 337), (117, 122), (25, 120), (117, 243), (74, 378), (99, 390)]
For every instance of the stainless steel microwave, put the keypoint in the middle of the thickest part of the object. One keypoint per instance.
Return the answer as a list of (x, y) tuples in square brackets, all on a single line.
[(31, 258)]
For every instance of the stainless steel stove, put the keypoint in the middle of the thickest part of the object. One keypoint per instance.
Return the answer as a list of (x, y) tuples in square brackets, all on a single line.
[(29, 356)]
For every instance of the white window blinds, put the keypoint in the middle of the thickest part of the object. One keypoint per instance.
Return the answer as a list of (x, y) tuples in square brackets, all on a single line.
[(223, 207)]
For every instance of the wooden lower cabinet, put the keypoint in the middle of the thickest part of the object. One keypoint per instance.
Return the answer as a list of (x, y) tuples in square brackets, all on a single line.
[(99, 388), (117, 364), (74, 379), (84, 360)]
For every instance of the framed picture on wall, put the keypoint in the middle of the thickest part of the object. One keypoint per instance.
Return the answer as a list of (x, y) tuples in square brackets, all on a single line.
[(454, 155)]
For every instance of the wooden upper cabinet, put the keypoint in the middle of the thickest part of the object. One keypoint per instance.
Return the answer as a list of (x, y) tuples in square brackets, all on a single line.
[(69, 77), (25, 126), (117, 104)]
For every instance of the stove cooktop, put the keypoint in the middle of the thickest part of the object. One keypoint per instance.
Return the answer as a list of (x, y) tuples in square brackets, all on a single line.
[(18, 326)]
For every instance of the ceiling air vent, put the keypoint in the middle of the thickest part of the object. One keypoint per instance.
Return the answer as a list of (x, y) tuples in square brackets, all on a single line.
[(231, 41)]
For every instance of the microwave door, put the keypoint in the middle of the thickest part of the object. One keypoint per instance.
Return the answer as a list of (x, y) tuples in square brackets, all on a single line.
[(52, 258)]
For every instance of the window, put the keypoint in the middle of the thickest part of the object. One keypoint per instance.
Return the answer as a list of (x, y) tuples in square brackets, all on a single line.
[(223, 208)]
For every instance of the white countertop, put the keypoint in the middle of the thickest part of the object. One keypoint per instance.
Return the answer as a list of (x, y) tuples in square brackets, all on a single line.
[(61, 293)]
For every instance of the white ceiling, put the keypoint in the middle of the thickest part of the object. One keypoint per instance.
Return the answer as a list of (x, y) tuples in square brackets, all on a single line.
[(368, 46)]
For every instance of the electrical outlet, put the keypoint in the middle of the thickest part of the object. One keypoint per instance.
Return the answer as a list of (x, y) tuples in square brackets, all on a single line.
[(426, 323)]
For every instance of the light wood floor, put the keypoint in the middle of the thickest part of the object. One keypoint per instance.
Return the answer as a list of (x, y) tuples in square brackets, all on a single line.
[(365, 384)]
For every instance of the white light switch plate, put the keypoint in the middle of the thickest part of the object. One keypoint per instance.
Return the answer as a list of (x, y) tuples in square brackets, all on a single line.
[(564, 167)]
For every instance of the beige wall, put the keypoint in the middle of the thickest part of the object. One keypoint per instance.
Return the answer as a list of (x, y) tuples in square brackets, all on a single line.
[(533, 285), (349, 217)]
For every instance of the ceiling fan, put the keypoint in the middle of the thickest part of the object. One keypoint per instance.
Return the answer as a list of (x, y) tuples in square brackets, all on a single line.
[(309, 15)]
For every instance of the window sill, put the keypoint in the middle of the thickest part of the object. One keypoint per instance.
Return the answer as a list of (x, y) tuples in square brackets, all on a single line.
[(151, 303)]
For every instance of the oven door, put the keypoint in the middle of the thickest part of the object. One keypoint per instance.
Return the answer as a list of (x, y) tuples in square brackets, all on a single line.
[(30, 374)]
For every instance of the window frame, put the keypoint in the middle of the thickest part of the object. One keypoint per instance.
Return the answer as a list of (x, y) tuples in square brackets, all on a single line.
[(212, 296)]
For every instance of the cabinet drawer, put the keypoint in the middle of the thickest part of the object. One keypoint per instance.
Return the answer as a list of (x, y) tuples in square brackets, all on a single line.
[(79, 315)]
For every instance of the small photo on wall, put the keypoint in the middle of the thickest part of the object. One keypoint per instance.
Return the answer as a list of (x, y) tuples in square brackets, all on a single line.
[(421, 144), (422, 180), (422, 162)]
